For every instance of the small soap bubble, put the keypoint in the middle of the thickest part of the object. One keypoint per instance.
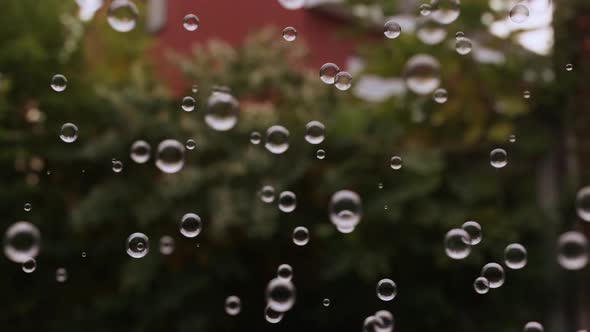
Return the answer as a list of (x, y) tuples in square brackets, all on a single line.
[(392, 29), (287, 201), (69, 132), (289, 34), (28, 207), (515, 256), (166, 245), (494, 273), (519, 13), (59, 83), (188, 104), (122, 15), (457, 243), (140, 151), (61, 275), (481, 285), (190, 22), (233, 305), (190, 144), (343, 81), (190, 225), (267, 194), (300, 236), (498, 158), (29, 265), (285, 271), (328, 73), (320, 154), (137, 245), (386, 290), (395, 162)]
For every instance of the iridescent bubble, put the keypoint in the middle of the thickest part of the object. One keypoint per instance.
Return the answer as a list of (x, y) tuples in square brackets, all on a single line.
[(440, 95), (255, 137), (280, 294), (267, 194), (519, 13), (285, 271), (498, 158), (386, 321), (272, 316), (191, 22), (392, 29), (315, 132), (22, 242), (140, 152), (61, 275), (289, 34), (122, 15), (583, 203), (463, 46), (343, 81), (188, 104), (320, 154), (328, 73), (494, 273), (569, 67), (69, 133), (29, 265), (445, 11), (28, 207), (300, 236), (457, 243), (190, 225), (277, 139), (190, 144), (166, 245), (473, 229), (396, 162), (481, 285), (223, 111), (137, 245), (326, 302), (117, 166), (292, 4), (287, 201), (59, 83), (345, 210), (386, 289), (515, 256), (422, 74), (233, 305), (533, 327), (425, 9), (170, 156), (572, 250)]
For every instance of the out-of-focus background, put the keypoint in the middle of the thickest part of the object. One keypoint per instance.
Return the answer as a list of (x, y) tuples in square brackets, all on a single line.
[(523, 87)]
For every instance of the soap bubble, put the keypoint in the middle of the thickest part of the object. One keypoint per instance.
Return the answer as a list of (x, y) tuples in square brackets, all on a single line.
[(392, 29), (272, 316), (222, 111), (300, 236), (191, 22), (481, 285), (190, 225), (61, 275), (583, 203), (166, 245), (445, 11), (29, 265), (328, 73), (233, 305), (533, 327), (170, 156), (343, 81), (345, 210), (386, 290), (473, 229), (572, 250), (267, 194), (315, 132), (289, 34), (137, 245), (285, 271), (287, 201), (494, 273), (140, 152), (277, 139), (122, 15), (422, 74), (69, 133), (498, 158), (280, 294), (59, 83), (457, 243), (22, 241), (519, 13), (515, 256), (188, 104)]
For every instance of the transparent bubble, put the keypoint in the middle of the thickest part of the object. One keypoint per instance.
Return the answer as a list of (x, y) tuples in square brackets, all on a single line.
[(170, 156), (315, 132), (267, 194), (140, 152), (28, 207), (498, 158), (386, 289), (372, 324), (292, 4), (459, 35), (457, 243), (272, 316), (195, 88), (512, 138), (385, 321), (481, 285), (572, 250), (569, 67), (396, 162), (117, 166), (223, 111), (285, 271), (533, 327), (280, 294), (255, 138), (519, 13), (345, 210), (22, 241), (188, 104), (425, 9), (233, 305), (190, 225), (289, 34), (300, 236), (166, 245), (422, 74), (122, 15), (343, 81), (440, 96), (320, 154), (287, 201), (277, 139), (385, 207), (583, 203), (191, 22), (61, 275), (473, 229), (83, 254), (445, 11), (328, 73), (326, 302), (463, 46), (29, 265), (137, 245), (69, 133), (431, 32), (392, 29), (494, 273), (190, 144), (380, 185), (59, 83), (515, 256)]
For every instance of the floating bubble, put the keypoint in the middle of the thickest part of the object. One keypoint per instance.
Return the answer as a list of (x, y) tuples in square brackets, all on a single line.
[(190, 225), (289, 34), (512, 138), (285, 271), (526, 94), (498, 158), (277, 139), (463, 46), (386, 289), (29, 265), (191, 22), (122, 15), (195, 88), (533, 327), (69, 133), (459, 35), (170, 156), (395, 162), (457, 243), (272, 316), (166, 245), (292, 4), (59, 83), (233, 305), (222, 111), (569, 67), (315, 132), (515, 256), (440, 95), (372, 324), (345, 210), (328, 73), (137, 245), (190, 144), (83, 254), (300, 236), (380, 185), (320, 154), (140, 152), (392, 29), (22, 242), (117, 166), (280, 294), (425, 9), (28, 207), (583, 203), (519, 13), (431, 32), (473, 229), (572, 250), (481, 285), (385, 321), (326, 302), (188, 104), (255, 137), (445, 11), (61, 275), (267, 194), (287, 201), (494, 273), (343, 81), (421, 74)]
